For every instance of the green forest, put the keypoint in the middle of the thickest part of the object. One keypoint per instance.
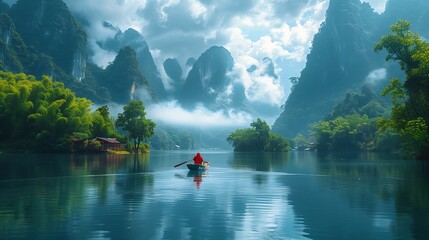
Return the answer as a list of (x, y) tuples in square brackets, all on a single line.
[(258, 138), (44, 116), (405, 130)]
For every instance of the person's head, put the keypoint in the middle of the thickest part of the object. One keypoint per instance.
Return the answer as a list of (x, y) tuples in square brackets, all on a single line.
[(198, 154)]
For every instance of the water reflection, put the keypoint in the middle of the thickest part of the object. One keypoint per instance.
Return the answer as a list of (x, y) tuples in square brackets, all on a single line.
[(247, 196), (263, 162), (197, 176), (369, 193)]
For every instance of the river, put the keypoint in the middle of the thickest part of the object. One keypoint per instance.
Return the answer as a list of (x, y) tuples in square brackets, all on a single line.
[(297, 195)]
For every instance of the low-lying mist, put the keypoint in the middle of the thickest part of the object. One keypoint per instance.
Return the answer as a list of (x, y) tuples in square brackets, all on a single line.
[(208, 129), (170, 113)]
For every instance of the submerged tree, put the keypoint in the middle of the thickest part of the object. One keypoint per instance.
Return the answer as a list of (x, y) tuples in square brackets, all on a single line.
[(133, 120)]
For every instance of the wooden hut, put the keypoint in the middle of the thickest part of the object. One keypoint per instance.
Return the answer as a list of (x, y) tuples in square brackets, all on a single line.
[(109, 144)]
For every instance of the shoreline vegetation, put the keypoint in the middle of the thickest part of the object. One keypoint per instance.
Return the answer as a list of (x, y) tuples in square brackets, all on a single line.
[(258, 138), (41, 115), (44, 116)]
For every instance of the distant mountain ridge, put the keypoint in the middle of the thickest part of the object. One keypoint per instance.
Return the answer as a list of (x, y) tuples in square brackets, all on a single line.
[(342, 57), (48, 40), (42, 37), (209, 83), (134, 39), (49, 27)]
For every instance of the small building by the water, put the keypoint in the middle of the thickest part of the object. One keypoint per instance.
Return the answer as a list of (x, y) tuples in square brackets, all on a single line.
[(97, 144), (109, 144)]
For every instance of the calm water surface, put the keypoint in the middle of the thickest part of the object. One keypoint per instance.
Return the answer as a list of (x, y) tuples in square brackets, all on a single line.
[(298, 195)]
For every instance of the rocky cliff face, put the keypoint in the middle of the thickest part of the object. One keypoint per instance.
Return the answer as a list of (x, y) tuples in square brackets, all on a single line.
[(208, 79), (4, 7), (341, 58), (415, 11), (124, 80), (146, 63), (174, 71), (42, 38), (49, 27), (16, 56), (9, 59)]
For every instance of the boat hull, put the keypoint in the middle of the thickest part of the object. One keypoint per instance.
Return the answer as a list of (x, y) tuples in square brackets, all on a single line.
[(198, 167)]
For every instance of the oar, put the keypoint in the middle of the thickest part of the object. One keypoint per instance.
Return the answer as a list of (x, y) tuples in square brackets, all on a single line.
[(181, 163)]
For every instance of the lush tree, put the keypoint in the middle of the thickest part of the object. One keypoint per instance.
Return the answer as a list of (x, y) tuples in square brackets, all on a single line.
[(410, 99), (103, 124), (387, 140), (43, 115), (367, 102), (133, 120), (257, 139), (263, 134), (348, 133), (243, 139), (277, 143), (300, 142)]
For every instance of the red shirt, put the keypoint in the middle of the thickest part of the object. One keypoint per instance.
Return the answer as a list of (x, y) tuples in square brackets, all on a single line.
[(198, 159)]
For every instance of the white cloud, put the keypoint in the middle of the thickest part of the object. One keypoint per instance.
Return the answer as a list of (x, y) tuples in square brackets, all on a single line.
[(266, 47), (375, 76), (198, 10), (101, 57), (377, 5), (259, 87), (123, 15), (171, 113), (250, 29), (265, 88)]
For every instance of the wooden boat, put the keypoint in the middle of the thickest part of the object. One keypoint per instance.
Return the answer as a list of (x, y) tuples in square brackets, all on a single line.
[(198, 167)]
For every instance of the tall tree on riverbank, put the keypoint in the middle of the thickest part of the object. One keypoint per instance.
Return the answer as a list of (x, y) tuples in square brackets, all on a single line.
[(410, 99), (133, 120)]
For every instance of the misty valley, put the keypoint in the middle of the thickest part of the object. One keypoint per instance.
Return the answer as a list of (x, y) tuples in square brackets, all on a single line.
[(197, 119)]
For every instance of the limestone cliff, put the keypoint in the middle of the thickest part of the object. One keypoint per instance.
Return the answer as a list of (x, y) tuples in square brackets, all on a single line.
[(124, 80), (207, 79), (50, 28), (146, 64), (341, 58)]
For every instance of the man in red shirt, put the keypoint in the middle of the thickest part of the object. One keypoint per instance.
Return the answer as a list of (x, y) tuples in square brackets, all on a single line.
[(198, 159)]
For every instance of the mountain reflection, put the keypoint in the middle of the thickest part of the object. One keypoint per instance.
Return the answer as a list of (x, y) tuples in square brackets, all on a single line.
[(242, 196)]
